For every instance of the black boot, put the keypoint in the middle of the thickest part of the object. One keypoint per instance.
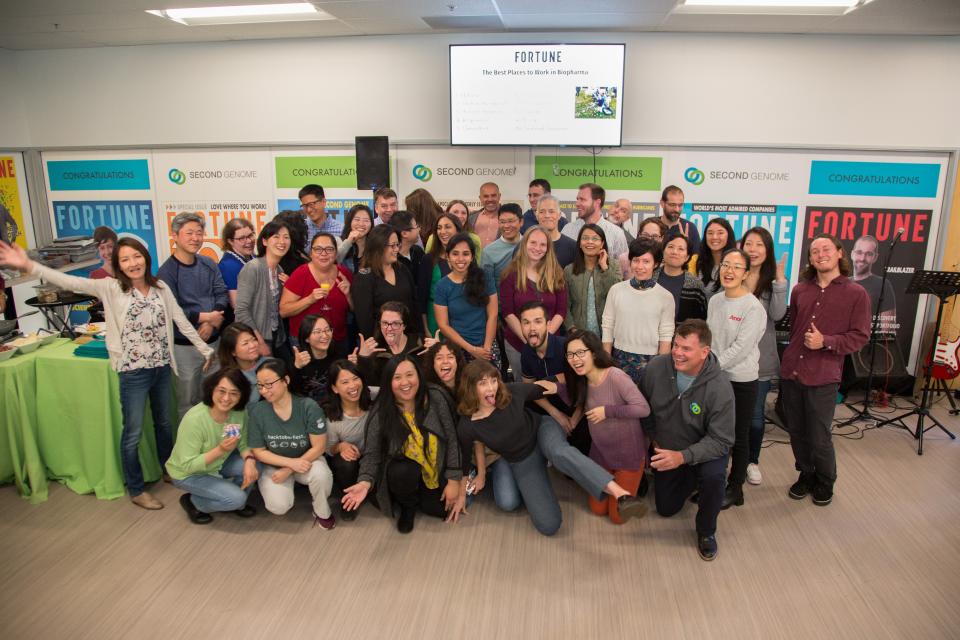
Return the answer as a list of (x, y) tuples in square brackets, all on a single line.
[(803, 486), (405, 523), (732, 496)]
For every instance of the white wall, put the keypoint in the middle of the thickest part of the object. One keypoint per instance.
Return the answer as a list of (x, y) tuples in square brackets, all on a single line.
[(14, 129), (683, 89)]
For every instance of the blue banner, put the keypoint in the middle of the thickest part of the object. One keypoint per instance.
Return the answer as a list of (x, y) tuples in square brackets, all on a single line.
[(892, 179), (98, 175), (130, 218)]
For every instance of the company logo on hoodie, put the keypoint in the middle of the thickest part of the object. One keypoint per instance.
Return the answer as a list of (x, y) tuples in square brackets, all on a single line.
[(695, 408)]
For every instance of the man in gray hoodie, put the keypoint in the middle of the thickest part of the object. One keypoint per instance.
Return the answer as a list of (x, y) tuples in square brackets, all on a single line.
[(691, 427)]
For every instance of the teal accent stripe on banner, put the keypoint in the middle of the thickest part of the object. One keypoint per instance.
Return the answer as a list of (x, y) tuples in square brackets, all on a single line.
[(896, 179), (98, 175)]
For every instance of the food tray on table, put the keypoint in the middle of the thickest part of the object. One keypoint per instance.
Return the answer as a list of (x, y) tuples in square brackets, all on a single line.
[(90, 329)]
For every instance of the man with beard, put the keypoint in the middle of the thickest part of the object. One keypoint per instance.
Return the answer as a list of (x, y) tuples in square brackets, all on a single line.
[(671, 204), (543, 357), (865, 253), (589, 206)]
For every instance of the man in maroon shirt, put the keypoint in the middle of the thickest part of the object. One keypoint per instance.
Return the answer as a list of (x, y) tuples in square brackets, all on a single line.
[(829, 318)]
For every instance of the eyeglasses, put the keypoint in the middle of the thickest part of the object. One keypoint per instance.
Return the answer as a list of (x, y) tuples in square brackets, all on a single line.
[(590, 239), (324, 250), (579, 354), (413, 228), (243, 238), (267, 385), (321, 332), (732, 267), (227, 392), (651, 236), (391, 325), (310, 205), (393, 245)]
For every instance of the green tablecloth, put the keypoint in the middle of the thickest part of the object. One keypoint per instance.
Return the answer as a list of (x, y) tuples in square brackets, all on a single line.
[(20, 459), (79, 423)]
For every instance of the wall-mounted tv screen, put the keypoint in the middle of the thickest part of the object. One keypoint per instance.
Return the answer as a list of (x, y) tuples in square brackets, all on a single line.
[(536, 94)]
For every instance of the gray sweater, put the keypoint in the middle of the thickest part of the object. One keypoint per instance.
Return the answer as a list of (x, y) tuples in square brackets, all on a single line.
[(775, 305), (737, 325), (254, 302), (698, 422)]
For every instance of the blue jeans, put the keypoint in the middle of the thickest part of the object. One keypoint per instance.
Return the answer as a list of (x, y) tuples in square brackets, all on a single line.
[(569, 461), (759, 420), (210, 494), (506, 493), (534, 485), (135, 387)]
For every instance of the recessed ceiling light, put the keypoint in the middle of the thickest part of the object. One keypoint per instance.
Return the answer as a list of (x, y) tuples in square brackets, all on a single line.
[(289, 12), (775, 7)]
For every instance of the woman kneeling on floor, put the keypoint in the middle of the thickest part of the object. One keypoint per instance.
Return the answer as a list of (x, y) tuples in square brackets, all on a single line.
[(410, 455), (211, 460), (288, 434)]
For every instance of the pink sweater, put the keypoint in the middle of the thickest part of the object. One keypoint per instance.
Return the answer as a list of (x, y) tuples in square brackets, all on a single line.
[(619, 442)]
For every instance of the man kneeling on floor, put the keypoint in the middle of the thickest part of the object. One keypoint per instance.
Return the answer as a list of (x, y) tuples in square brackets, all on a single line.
[(691, 427)]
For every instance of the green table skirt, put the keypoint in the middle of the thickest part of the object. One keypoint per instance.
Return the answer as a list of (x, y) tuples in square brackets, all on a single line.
[(20, 460), (79, 423)]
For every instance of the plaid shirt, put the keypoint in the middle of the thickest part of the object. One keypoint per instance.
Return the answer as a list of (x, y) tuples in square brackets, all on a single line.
[(330, 225)]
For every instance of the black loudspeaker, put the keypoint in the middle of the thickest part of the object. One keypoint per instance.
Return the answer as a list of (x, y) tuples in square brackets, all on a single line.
[(373, 162)]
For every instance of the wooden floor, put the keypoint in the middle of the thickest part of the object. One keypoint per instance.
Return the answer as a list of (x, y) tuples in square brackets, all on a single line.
[(883, 561)]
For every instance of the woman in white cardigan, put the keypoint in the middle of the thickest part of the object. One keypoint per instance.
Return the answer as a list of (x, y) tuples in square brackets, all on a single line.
[(140, 311)]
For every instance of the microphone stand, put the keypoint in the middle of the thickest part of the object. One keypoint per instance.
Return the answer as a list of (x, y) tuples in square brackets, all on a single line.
[(865, 414)]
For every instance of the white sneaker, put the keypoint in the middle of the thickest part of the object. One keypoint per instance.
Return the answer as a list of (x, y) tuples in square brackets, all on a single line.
[(753, 474)]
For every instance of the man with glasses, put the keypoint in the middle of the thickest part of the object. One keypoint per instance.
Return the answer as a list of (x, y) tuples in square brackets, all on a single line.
[(200, 291), (314, 204), (384, 205), (537, 189), (691, 425), (498, 254), (671, 205)]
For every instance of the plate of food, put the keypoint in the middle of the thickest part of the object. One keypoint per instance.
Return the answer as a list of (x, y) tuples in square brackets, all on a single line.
[(7, 351), (26, 344), (90, 329)]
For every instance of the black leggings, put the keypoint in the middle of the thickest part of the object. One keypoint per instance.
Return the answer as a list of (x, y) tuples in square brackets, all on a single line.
[(405, 481)]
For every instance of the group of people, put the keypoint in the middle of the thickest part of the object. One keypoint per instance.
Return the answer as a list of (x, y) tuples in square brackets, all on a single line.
[(413, 357)]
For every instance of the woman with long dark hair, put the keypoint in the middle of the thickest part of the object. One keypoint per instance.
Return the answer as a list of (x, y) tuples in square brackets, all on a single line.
[(381, 278), (347, 407), (767, 280), (391, 339), (259, 287), (140, 312), (358, 224), (465, 303), (411, 458), (313, 358), (425, 209), (288, 434), (434, 267), (737, 321), (613, 406), (718, 237), (589, 278)]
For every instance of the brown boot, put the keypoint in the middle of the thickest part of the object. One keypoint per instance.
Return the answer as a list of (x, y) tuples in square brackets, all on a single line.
[(146, 501)]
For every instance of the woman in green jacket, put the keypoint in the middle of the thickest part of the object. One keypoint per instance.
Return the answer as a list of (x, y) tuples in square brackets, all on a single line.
[(588, 279)]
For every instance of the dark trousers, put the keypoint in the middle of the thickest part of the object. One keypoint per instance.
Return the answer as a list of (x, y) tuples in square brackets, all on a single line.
[(345, 472), (407, 489), (809, 419), (672, 488), (745, 401)]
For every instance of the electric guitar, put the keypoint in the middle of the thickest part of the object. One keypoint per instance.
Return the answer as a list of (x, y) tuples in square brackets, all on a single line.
[(946, 359)]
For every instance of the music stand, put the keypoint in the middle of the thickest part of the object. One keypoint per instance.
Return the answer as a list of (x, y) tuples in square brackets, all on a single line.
[(943, 285)]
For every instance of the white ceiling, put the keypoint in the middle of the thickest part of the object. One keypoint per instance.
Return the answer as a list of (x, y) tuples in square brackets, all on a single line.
[(59, 24)]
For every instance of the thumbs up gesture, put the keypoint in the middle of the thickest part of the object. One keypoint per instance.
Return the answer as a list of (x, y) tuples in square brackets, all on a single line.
[(813, 339), (300, 358)]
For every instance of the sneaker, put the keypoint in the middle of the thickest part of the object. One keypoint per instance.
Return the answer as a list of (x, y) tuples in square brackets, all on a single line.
[(822, 494), (324, 523), (707, 547), (405, 523), (753, 474), (196, 516), (802, 487), (631, 507), (146, 501)]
